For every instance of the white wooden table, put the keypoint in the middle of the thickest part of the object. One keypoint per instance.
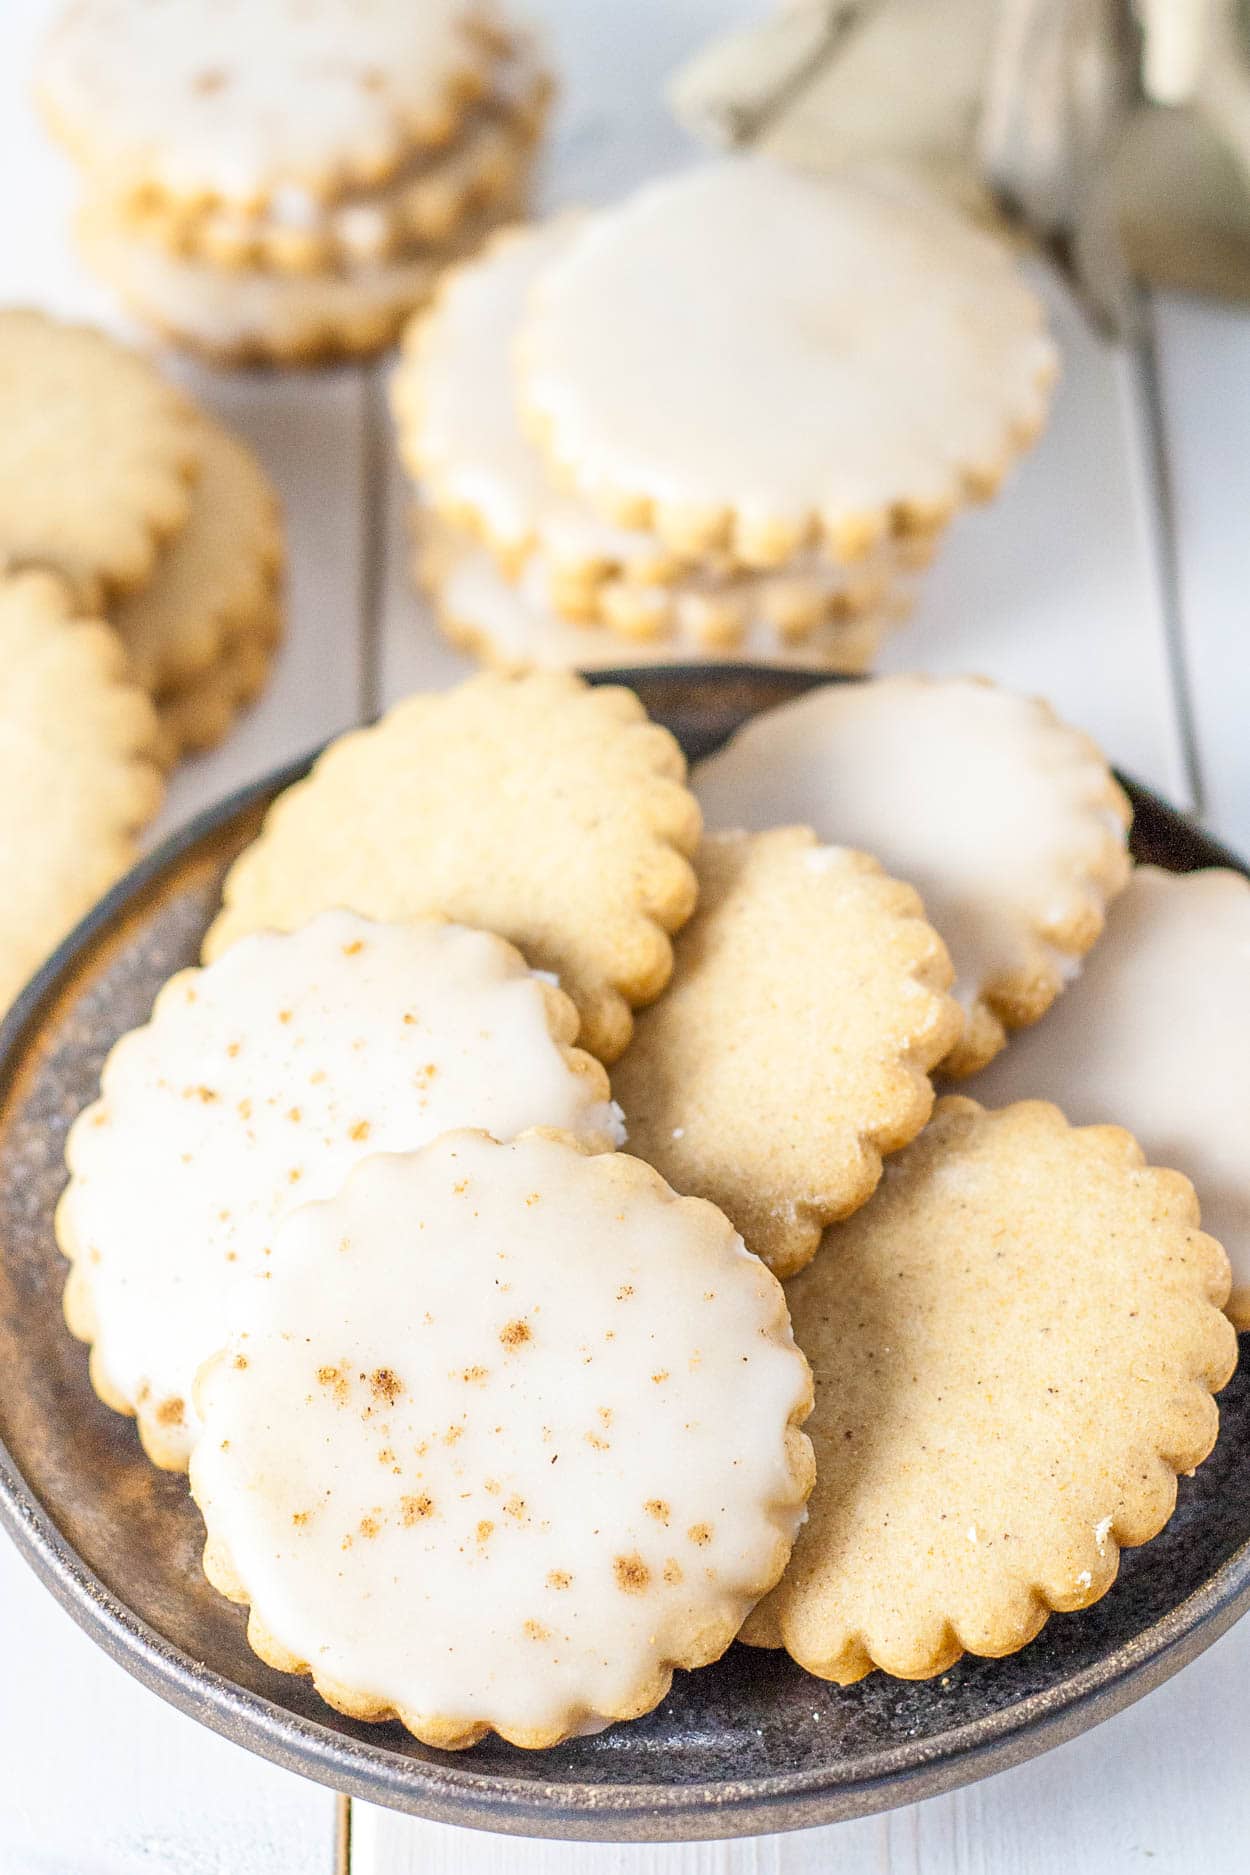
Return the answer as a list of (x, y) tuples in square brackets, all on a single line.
[(1113, 577)]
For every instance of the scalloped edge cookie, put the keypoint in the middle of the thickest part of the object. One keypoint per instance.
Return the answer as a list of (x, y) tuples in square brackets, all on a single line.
[(561, 821), (627, 1599), (376, 90), (509, 628), (972, 1477), (163, 1109), (800, 278), (97, 456), (1015, 940), (84, 782), (794, 1044), (219, 578)]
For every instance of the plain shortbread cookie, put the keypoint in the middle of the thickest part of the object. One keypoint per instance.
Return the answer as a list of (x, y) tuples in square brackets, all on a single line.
[(1008, 823), (97, 453), (534, 806), (77, 781), (793, 1046), (1157, 1033), (1015, 1346)]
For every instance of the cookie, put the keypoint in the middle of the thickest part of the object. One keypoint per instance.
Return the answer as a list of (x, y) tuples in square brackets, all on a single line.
[(76, 784), (218, 579), (532, 806), (1015, 1347), (1155, 1034), (424, 202), (454, 400), (1009, 824), (514, 628), (248, 315), (460, 435), (205, 105), (877, 361), (473, 1479), (256, 1086), (793, 1046), (97, 453), (197, 716)]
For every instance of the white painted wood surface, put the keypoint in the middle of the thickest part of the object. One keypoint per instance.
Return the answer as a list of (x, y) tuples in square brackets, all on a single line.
[(1070, 585)]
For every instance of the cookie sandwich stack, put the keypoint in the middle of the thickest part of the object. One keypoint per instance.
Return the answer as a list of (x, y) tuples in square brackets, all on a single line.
[(504, 1389), (140, 605), (277, 181), (729, 418)]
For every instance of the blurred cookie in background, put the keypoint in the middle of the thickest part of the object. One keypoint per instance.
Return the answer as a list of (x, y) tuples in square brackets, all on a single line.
[(282, 184)]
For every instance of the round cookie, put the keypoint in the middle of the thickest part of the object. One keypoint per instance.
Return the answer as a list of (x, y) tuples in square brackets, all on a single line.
[(1156, 1033), (197, 716), (472, 1478), (1014, 1347), (824, 359), (96, 455), (533, 806), (248, 315), (454, 399), (793, 1046), (208, 105), (1009, 824), (76, 781), (218, 579), (514, 628), (423, 202), (256, 1086)]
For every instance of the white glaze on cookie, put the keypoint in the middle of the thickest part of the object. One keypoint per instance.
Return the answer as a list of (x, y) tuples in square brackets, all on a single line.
[(257, 1085), (455, 400), (246, 311), (511, 1433), (513, 627), (208, 100), (1156, 1038), (1007, 822), (747, 354)]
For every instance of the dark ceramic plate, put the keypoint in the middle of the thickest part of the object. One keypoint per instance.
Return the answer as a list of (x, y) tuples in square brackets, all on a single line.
[(747, 1746)]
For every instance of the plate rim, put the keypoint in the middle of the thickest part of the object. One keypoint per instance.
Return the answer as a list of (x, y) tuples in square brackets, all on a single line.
[(450, 1792)]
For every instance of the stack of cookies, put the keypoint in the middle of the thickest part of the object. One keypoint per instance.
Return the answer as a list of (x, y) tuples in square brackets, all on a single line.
[(727, 419), (494, 1424), (140, 552), (277, 181)]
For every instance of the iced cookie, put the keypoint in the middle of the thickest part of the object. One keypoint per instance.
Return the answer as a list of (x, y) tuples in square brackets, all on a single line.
[(513, 626), (794, 1044), (460, 434), (470, 1476), (76, 779), (97, 453), (454, 398), (197, 716), (824, 360), (532, 806), (242, 315), (218, 580), (424, 201), (1009, 824), (256, 1086), (1157, 1035), (207, 104), (1014, 1347)]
